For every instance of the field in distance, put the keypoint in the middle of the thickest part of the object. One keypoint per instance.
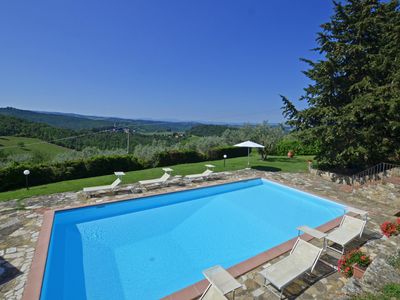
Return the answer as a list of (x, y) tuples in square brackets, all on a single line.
[(11, 145)]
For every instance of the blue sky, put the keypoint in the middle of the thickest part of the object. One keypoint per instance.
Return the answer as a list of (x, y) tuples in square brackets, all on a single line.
[(214, 60)]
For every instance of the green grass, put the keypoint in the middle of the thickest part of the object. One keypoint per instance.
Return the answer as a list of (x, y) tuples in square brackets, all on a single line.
[(274, 164), (30, 145), (388, 292)]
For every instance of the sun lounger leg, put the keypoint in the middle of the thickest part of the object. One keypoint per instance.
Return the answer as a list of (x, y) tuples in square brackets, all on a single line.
[(341, 251), (278, 293), (205, 292)]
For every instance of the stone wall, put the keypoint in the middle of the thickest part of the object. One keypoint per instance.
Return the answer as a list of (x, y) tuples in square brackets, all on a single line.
[(348, 180), (338, 178)]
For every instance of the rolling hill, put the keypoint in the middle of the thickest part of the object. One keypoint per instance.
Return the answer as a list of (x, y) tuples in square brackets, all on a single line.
[(78, 122), (22, 145), (78, 140)]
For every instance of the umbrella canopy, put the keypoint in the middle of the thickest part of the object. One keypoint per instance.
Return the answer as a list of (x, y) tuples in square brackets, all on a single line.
[(248, 145)]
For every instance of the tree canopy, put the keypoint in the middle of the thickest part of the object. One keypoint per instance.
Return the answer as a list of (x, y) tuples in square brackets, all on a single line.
[(354, 98)]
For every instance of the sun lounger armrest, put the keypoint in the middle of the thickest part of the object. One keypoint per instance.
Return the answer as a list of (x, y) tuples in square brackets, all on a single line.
[(221, 279)]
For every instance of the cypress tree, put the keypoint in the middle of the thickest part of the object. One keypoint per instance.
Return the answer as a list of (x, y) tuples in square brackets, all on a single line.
[(354, 98)]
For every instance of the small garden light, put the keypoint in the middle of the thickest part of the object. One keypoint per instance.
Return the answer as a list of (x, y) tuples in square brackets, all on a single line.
[(225, 156), (26, 173)]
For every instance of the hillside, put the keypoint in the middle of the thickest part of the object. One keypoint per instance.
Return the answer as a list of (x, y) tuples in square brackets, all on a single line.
[(208, 130), (78, 122), (11, 145), (11, 126), (78, 140)]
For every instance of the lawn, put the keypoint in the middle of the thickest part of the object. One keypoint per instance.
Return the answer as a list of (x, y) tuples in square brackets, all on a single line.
[(273, 164), (20, 145)]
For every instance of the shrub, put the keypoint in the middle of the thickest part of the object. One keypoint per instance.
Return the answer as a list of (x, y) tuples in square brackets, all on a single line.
[(392, 291), (347, 262), (388, 292), (168, 158), (86, 153), (299, 148), (148, 154), (218, 153), (388, 228), (204, 144)]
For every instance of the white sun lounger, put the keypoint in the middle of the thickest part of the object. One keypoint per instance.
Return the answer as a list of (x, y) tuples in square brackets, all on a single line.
[(213, 294), (362, 213), (205, 174), (111, 187), (302, 258), (160, 180), (347, 231), (221, 283)]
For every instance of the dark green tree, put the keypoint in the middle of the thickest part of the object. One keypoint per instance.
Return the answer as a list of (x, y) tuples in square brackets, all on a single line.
[(354, 98)]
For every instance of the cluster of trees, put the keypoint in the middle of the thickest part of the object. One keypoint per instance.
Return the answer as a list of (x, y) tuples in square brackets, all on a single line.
[(291, 143), (11, 126), (264, 134), (101, 138), (275, 139), (353, 111), (37, 157), (208, 130)]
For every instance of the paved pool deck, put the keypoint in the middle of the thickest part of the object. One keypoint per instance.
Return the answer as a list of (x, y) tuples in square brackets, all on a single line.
[(19, 230)]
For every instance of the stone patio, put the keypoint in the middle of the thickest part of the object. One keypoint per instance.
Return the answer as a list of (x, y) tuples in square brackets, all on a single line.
[(20, 223)]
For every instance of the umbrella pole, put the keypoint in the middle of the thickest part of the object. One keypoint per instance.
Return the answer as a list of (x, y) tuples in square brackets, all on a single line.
[(248, 157)]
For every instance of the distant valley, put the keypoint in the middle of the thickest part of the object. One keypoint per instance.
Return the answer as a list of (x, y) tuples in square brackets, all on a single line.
[(78, 122)]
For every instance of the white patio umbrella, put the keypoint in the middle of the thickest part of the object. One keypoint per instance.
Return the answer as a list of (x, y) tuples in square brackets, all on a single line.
[(248, 145)]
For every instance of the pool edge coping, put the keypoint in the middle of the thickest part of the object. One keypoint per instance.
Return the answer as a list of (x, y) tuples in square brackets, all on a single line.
[(33, 286)]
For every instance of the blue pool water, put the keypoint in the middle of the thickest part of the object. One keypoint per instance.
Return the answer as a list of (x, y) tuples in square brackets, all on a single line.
[(149, 248)]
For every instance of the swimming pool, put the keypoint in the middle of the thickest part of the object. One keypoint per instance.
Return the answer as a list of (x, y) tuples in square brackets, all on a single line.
[(151, 247)]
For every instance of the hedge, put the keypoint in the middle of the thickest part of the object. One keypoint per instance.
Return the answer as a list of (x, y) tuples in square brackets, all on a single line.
[(299, 148), (178, 157), (12, 178), (218, 153)]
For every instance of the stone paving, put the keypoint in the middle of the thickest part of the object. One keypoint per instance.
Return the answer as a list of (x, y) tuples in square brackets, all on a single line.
[(20, 223)]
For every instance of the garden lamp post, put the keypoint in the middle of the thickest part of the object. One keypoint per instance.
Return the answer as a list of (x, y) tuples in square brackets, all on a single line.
[(26, 173), (225, 156)]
